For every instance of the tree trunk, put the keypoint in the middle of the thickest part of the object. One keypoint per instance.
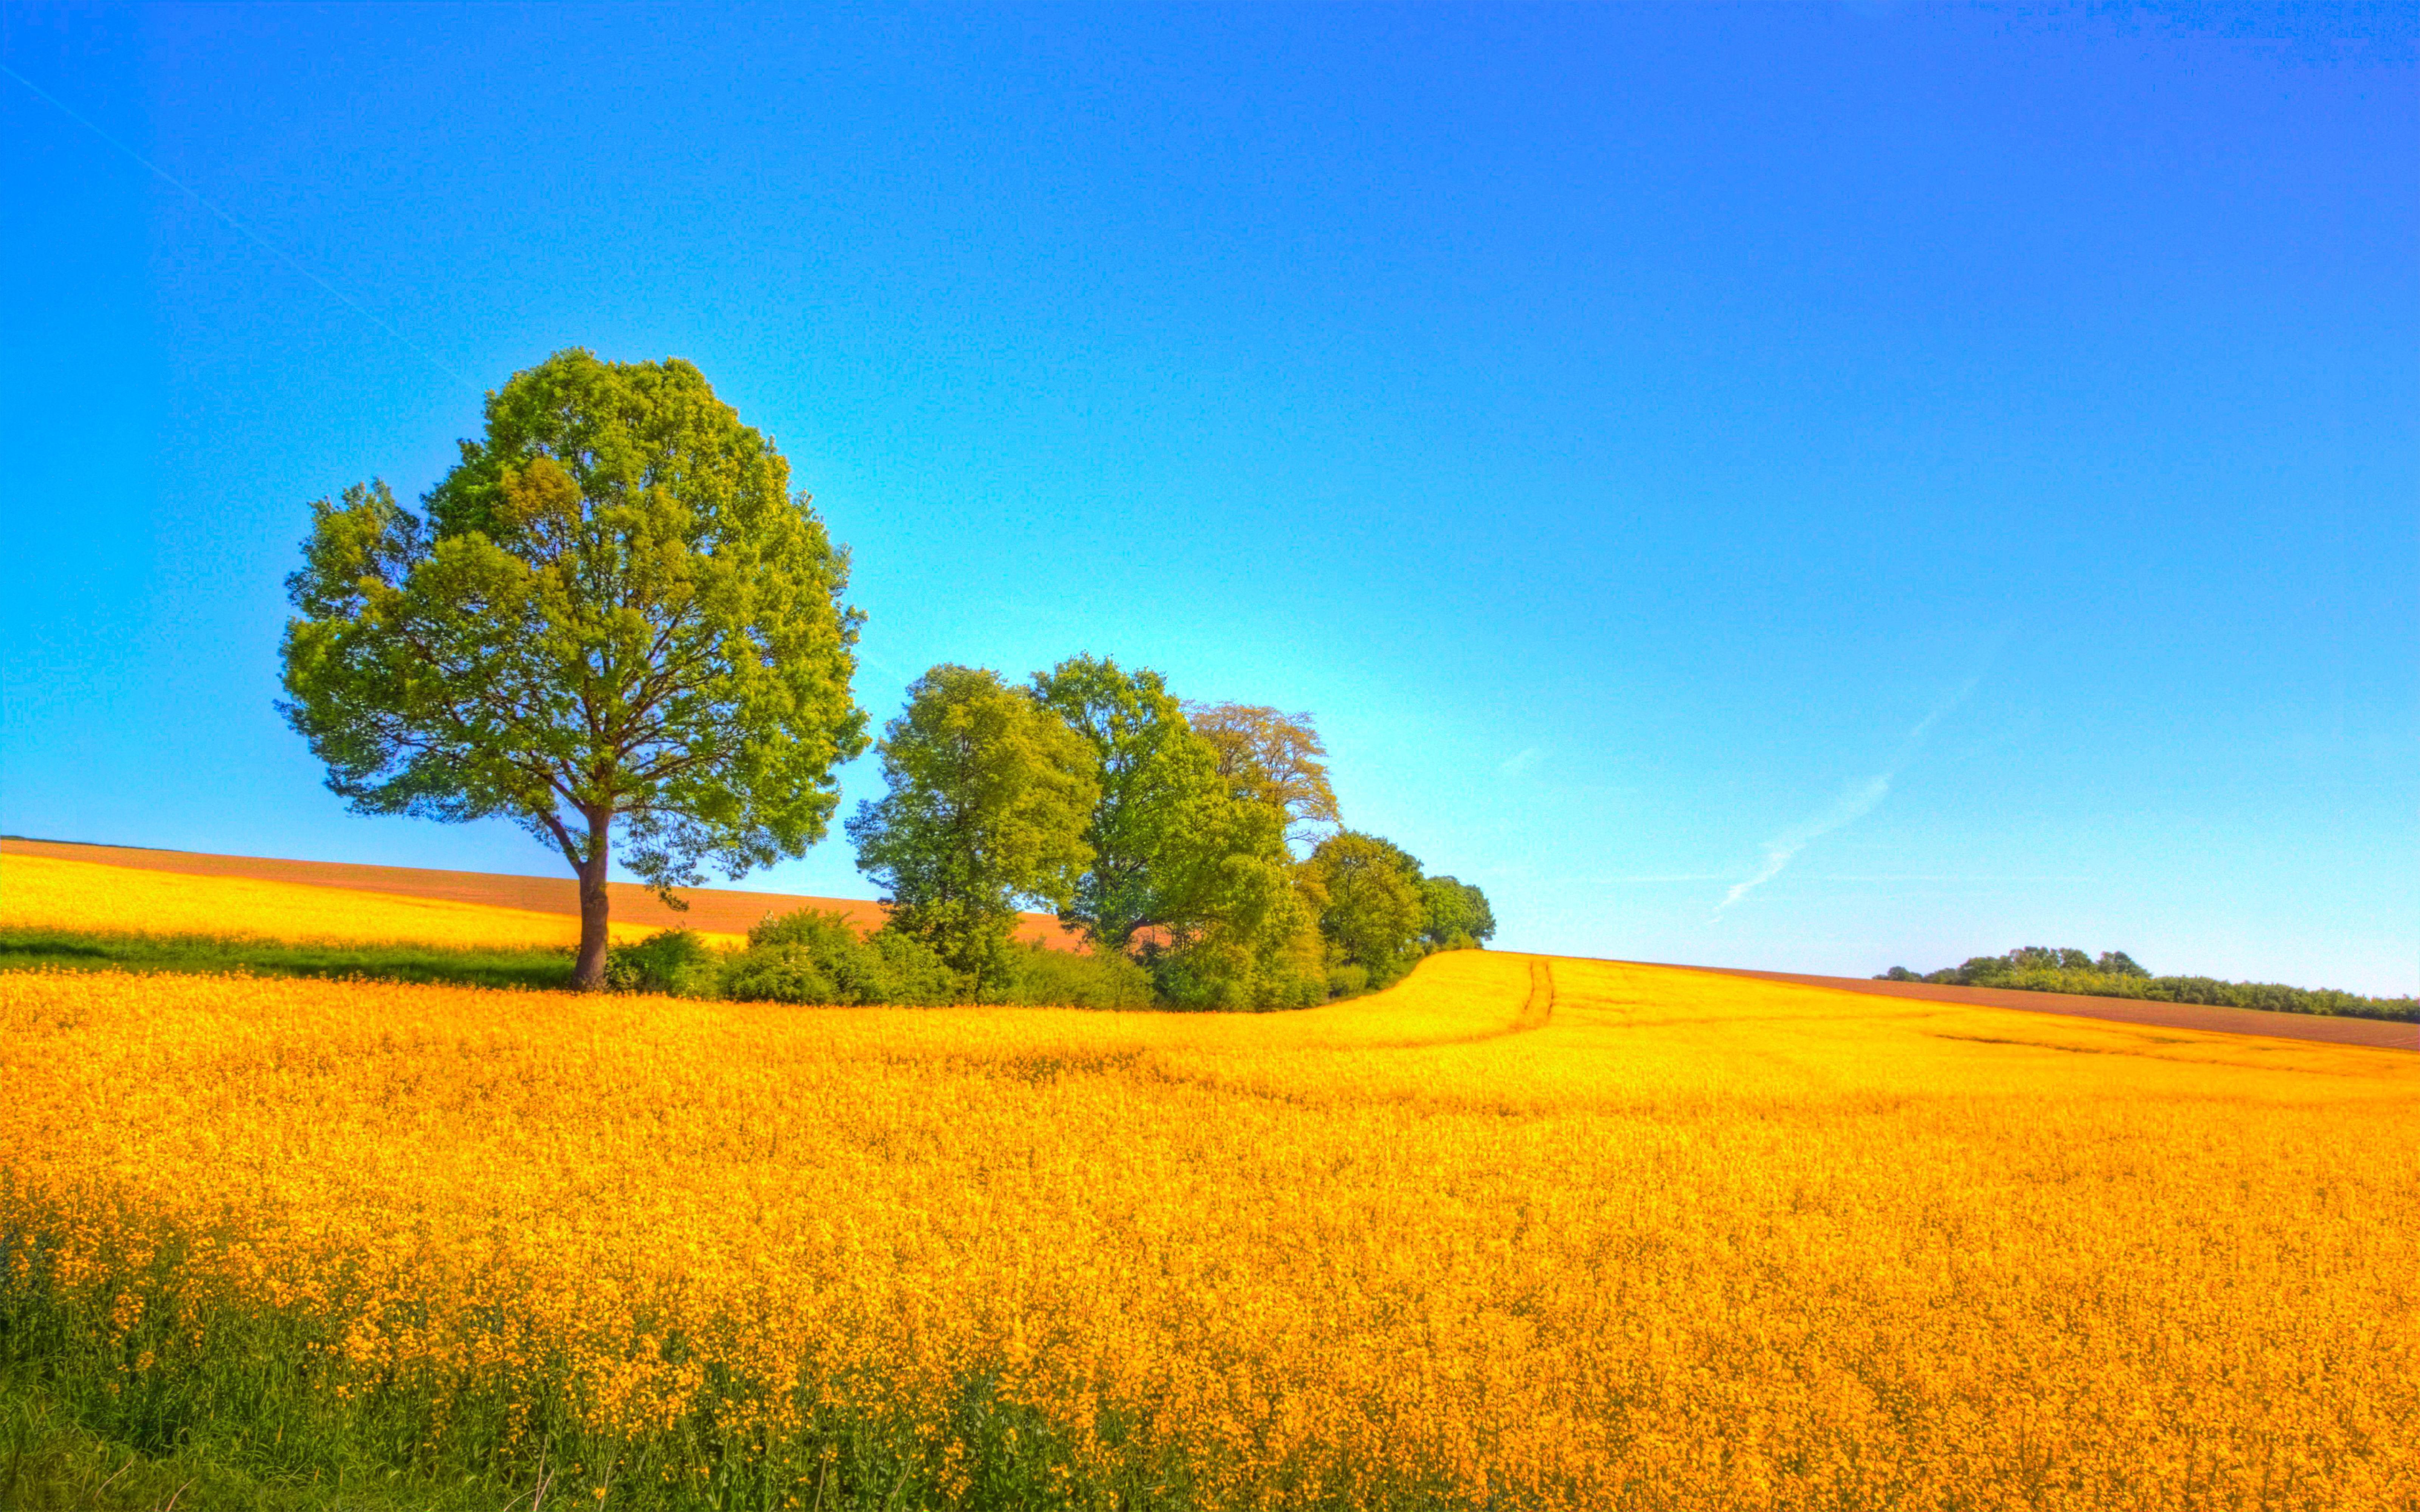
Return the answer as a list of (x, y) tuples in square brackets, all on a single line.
[(595, 908)]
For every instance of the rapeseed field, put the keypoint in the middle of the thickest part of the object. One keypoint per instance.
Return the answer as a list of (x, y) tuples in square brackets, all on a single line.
[(1518, 1233), (41, 893)]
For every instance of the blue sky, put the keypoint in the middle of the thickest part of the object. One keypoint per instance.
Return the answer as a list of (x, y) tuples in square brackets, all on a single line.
[(1813, 489)]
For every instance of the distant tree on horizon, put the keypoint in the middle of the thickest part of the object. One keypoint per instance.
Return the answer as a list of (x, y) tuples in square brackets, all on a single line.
[(613, 610)]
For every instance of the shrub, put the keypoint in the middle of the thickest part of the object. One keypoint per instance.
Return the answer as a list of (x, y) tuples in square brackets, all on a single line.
[(780, 974), (914, 972), (1039, 977), (1347, 980), (813, 956), (1223, 974), (675, 962)]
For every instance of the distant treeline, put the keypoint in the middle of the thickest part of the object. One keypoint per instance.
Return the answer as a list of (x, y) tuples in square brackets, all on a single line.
[(2038, 968), (1197, 850)]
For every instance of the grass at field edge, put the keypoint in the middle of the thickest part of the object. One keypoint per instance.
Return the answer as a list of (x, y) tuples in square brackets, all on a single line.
[(545, 968), (51, 1463)]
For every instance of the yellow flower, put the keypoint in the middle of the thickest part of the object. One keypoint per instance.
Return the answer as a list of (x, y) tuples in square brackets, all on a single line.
[(1554, 1235)]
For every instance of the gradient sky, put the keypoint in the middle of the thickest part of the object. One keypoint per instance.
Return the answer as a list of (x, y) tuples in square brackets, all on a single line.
[(1811, 488)]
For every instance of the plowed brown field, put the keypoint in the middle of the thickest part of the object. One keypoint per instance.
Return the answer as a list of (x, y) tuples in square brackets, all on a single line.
[(714, 910)]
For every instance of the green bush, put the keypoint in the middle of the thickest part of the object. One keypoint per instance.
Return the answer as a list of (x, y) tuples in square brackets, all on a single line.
[(815, 956), (1347, 980), (1039, 977), (780, 974), (1221, 974), (676, 963), (914, 971)]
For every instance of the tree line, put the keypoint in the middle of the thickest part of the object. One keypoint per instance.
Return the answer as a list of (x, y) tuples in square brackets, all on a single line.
[(2115, 973), (1164, 832), (613, 624)]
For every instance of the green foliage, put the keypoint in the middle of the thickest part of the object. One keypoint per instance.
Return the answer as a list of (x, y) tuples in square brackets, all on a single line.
[(1271, 758), (613, 611), (209, 1407), (987, 801), (2115, 974), (1370, 904), (470, 966), (1224, 970), (1163, 819), (811, 956), (1264, 948), (1037, 975), (1189, 836), (51, 1462), (674, 963), (1457, 915)]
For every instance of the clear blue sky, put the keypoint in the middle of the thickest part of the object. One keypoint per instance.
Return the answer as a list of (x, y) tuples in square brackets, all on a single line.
[(1957, 468)]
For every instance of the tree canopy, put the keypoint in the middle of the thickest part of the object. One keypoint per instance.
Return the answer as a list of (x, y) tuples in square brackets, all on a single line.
[(1274, 758), (1457, 913), (613, 611), (988, 799), (1370, 904), (1161, 820)]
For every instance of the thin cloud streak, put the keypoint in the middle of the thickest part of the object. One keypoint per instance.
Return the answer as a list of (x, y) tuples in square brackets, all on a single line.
[(1653, 880), (248, 233), (1851, 807)]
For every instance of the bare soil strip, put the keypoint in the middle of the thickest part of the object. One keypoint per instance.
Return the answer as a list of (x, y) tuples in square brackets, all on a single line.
[(2383, 1032), (714, 910), (1541, 1006)]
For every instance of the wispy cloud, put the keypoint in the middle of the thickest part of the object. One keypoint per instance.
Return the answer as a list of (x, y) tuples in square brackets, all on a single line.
[(1657, 879), (1520, 762), (1852, 806)]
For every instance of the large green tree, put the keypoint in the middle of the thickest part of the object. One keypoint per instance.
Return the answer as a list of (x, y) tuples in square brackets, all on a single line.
[(1164, 820), (1459, 916), (988, 795), (1274, 758), (1371, 908), (611, 611)]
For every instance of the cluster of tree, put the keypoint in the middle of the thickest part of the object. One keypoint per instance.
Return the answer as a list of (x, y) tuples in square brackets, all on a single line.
[(1166, 833), (2115, 973), (613, 615)]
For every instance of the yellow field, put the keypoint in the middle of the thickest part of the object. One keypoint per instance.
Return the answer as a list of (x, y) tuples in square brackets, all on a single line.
[(1516, 1234), (39, 892)]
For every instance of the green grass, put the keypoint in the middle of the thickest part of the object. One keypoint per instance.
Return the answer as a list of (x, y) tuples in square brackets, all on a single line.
[(50, 1463), (474, 966), (190, 1405)]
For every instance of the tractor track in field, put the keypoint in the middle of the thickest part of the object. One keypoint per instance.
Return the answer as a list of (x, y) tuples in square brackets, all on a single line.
[(1537, 1012)]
